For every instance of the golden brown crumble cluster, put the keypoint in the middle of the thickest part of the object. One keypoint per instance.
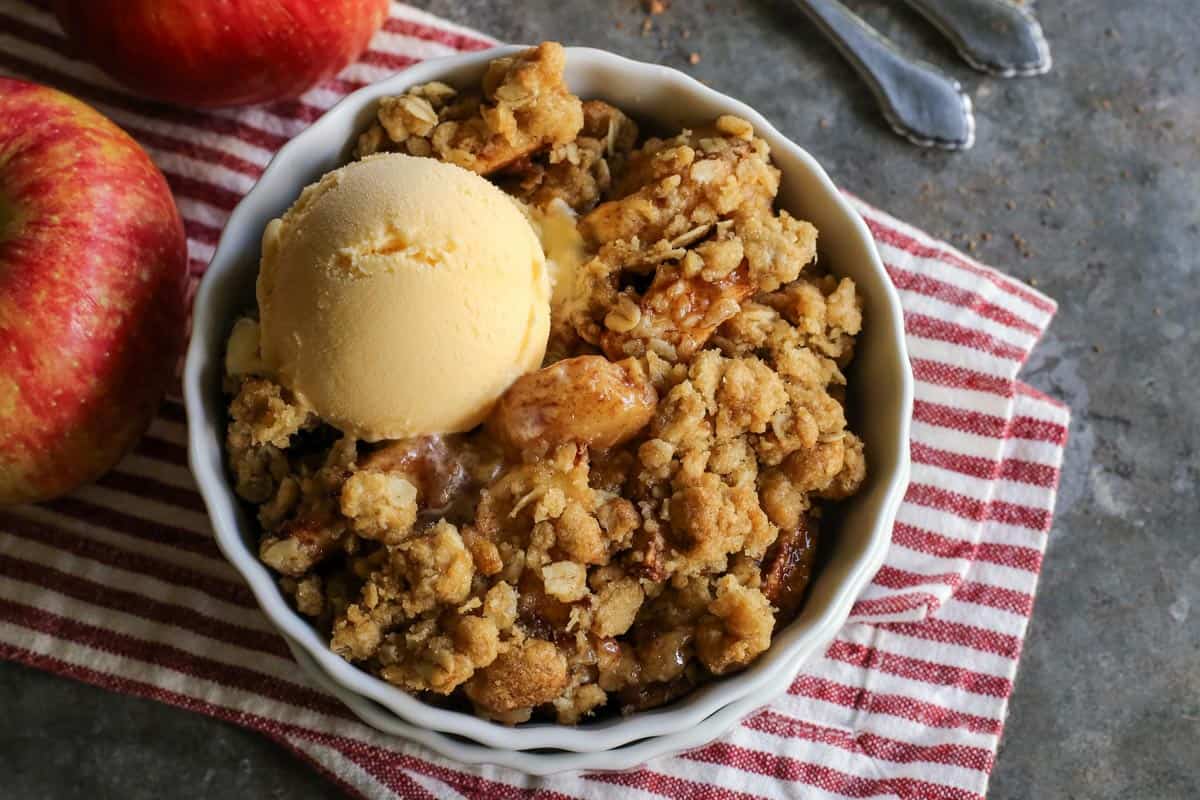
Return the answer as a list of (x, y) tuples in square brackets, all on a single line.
[(522, 107), (638, 516)]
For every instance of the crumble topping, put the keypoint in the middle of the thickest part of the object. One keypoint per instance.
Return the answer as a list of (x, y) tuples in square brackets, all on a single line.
[(522, 107), (640, 515)]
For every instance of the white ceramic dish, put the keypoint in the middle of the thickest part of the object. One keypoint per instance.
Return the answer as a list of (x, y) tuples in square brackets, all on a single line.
[(543, 761), (671, 100)]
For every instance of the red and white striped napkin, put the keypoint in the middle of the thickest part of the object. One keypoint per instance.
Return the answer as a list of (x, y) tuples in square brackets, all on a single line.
[(122, 586)]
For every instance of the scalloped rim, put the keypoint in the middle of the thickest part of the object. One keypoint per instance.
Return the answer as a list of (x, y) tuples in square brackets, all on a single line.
[(756, 686)]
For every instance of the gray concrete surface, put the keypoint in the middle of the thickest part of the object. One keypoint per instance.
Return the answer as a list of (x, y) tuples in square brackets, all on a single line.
[(1096, 168)]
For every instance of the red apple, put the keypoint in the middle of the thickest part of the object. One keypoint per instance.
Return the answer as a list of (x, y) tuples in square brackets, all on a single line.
[(221, 52), (93, 272)]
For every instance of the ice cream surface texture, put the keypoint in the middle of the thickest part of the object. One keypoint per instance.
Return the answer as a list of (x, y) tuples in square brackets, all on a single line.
[(402, 296)]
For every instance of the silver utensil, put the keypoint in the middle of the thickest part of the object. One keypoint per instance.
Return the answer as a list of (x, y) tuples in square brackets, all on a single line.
[(993, 36), (919, 101)]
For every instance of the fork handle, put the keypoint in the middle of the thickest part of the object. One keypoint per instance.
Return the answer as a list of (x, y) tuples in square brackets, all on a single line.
[(993, 36), (919, 101)]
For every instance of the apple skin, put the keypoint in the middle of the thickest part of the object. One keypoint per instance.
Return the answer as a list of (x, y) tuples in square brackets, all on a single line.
[(93, 292), (211, 53)]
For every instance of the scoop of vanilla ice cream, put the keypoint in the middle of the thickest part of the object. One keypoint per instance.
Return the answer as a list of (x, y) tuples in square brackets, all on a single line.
[(402, 296)]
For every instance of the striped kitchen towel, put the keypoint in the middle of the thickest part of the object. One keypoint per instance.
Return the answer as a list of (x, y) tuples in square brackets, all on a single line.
[(122, 586)]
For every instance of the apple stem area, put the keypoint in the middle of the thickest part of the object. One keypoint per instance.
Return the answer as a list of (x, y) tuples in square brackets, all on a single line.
[(8, 216)]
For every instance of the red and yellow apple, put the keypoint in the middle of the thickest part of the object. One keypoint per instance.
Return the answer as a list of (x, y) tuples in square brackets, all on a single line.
[(93, 275), (221, 52)]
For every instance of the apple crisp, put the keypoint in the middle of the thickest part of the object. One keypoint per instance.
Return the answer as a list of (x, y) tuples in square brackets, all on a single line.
[(634, 519)]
